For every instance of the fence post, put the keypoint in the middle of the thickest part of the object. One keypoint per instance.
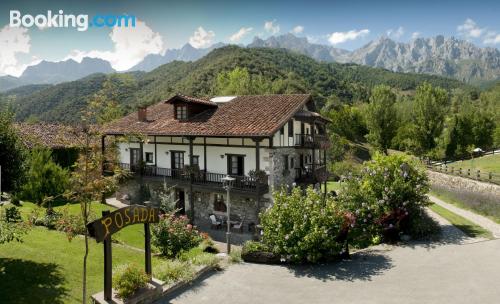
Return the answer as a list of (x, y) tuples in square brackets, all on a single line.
[(478, 174)]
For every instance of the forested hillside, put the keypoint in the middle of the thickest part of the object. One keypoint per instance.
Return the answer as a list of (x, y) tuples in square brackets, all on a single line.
[(288, 72)]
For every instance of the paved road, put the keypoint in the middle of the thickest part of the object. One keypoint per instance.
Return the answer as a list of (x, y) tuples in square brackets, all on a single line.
[(447, 272)]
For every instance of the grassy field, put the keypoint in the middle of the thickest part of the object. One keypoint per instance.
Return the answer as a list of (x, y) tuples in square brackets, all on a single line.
[(489, 163), (467, 227), (480, 205), (131, 235), (47, 268)]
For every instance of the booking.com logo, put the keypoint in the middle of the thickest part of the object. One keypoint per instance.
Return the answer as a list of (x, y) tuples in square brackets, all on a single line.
[(80, 22)]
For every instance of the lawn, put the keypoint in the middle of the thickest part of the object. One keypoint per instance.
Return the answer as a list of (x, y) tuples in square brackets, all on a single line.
[(331, 186), (47, 268), (467, 227), (131, 235), (489, 163)]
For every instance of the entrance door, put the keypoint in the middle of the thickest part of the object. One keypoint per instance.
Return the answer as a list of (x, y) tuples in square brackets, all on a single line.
[(180, 201), (134, 158)]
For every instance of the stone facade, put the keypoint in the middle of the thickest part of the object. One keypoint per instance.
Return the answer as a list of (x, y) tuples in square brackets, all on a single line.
[(277, 175)]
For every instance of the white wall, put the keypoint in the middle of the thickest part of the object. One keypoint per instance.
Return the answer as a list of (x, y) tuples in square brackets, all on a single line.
[(215, 163)]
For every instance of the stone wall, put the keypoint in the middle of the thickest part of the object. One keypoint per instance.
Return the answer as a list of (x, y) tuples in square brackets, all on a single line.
[(277, 177), (465, 186)]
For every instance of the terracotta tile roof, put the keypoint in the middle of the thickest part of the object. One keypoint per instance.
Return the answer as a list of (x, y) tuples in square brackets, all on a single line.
[(189, 99), (49, 135), (251, 115)]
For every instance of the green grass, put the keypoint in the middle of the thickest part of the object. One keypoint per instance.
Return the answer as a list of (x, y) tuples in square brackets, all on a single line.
[(47, 268), (131, 235), (489, 163), (467, 227), (489, 209), (331, 186)]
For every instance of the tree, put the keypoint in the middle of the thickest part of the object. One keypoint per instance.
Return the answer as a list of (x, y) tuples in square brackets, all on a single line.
[(12, 154), (87, 181), (44, 179), (240, 82), (429, 114), (381, 117)]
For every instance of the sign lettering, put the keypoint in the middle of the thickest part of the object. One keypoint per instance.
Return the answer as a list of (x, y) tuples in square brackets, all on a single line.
[(118, 219)]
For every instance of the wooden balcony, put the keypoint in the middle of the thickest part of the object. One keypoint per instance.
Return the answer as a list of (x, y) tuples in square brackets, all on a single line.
[(316, 141), (201, 178)]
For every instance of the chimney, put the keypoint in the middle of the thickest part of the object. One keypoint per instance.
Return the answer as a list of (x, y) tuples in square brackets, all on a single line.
[(142, 114)]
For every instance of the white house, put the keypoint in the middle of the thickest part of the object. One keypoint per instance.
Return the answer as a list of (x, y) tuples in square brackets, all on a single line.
[(264, 141)]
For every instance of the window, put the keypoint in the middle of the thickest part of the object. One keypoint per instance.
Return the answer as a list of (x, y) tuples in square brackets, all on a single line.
[(282, 130), (219, 204), (181, 112), (290, 128), (195, 160), (149, 157), (285, 161), (235, 165), (177, 159), (292, 162)]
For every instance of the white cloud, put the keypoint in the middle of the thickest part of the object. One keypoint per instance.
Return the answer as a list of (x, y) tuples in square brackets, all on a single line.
[(470, 29), (131, 45), (492, 38), (341, 37), (13, 41), (298, 29), (271, 27), (415, 35), (396, 34), (201, 38), (240, 34)]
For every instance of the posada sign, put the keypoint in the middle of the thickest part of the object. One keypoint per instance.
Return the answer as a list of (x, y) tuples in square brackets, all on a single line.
[(121, 218)]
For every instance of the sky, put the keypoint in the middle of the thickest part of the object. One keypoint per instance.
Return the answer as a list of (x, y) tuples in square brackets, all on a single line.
[(162, 25)]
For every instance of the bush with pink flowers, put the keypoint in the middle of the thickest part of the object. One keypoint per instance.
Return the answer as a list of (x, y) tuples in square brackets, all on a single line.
[(173, 234)]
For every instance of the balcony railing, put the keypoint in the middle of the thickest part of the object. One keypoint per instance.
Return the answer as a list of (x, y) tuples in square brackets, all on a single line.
[(200, 177), (309, 176), (312, 141)]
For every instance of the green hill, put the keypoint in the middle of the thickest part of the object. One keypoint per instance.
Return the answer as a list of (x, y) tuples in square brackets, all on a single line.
[(350, 82)]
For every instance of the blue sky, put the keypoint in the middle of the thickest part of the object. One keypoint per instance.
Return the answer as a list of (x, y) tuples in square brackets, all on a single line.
[(171, 24)]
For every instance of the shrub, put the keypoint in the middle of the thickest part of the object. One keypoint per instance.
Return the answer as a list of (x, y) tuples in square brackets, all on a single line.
[(12, 214), (72, 224), (257, 252), (389, 191), (171, 271), (44, 179), (253, 246), (129, 278), (235, 255), (303, 227), (173, 234)]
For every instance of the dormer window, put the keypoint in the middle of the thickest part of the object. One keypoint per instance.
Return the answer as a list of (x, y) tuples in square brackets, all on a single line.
[(181, 112)]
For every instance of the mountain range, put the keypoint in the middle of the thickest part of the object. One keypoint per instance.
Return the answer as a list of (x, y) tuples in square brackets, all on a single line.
[(47, 72), (283, 71), (443, 56)]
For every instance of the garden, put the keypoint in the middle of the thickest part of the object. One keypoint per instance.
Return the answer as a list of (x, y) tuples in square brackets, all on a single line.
[(46, 266), (384, 203)]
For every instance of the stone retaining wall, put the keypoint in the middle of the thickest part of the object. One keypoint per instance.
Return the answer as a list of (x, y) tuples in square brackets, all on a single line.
[(464, 186)]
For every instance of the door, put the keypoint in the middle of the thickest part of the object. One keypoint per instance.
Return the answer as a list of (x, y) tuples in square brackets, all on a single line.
[(177, 163), (235, 165), (134, 158), (180, 201)]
